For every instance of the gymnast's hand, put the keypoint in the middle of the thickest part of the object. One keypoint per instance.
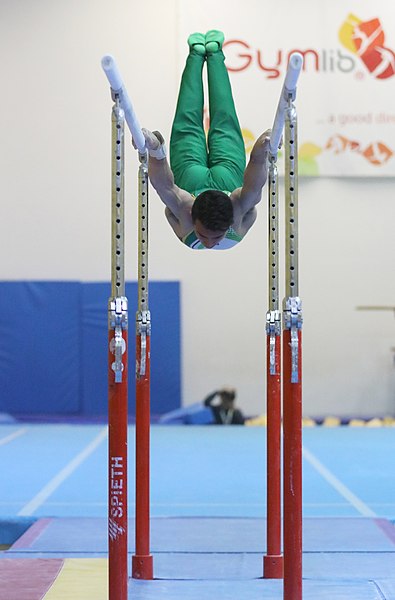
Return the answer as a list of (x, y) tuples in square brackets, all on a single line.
[(154, 142), (261, 147)]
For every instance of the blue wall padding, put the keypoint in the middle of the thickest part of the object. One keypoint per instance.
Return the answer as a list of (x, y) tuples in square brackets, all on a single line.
[(194, 414), (53, 347), (40, 347), (202, 416)]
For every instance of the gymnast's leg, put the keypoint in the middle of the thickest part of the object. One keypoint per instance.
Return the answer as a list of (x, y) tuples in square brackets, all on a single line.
[(188, 147), (227, 158)]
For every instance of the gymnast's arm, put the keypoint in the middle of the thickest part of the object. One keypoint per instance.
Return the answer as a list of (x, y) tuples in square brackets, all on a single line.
[(177, 201), (255, 177), (209, 399)]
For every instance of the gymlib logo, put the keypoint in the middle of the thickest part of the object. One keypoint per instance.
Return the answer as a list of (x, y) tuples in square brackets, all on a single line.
[(364, 42), (362, 53), (366, 39)]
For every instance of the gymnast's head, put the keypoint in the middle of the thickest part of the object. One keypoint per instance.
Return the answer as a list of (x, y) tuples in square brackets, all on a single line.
[(228, 396), (212, 215)]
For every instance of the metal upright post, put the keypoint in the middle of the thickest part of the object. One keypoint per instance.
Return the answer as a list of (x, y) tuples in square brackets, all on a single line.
[(142, 562), (292, 372), (273, 560), (117, 376)]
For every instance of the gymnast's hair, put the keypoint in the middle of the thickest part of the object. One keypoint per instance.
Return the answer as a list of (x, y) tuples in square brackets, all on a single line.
[(214, 210)]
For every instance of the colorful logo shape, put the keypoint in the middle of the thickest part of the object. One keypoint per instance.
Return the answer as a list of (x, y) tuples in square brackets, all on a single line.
[(366, 39), (376, 153)]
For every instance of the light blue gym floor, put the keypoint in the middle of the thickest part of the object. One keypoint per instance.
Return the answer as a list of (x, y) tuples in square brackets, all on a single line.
[(208, 494)]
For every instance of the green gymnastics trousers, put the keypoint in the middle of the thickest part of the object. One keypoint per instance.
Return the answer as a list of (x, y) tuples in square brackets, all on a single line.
[(220, 162)]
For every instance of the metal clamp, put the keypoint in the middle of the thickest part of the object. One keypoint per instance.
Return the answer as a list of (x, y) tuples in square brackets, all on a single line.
[(293, 321), (273, 328), (143, 329), (118, 321)]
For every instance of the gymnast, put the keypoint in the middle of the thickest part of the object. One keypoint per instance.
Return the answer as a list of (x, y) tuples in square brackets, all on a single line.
[(210, 195), (222, 404)]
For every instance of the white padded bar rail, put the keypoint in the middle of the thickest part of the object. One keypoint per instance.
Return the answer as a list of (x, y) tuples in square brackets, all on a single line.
[(289, 87), (115, 80)]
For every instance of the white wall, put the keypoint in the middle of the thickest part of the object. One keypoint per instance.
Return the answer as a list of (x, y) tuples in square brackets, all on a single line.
[(55, 211)]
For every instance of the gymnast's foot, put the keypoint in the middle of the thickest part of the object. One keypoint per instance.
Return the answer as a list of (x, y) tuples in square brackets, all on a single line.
[(214, 40), (196, 43)]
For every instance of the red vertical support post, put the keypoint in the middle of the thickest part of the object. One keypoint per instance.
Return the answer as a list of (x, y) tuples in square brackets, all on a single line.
[(273, 560), (292, 423), (292, 372), (117, 377), (142, 561), (117, 479)]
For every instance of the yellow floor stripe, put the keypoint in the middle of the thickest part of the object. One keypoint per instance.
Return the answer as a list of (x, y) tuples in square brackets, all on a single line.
[(81, 579)]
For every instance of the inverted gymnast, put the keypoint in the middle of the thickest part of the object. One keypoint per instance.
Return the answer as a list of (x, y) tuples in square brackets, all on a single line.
[(210, 195)]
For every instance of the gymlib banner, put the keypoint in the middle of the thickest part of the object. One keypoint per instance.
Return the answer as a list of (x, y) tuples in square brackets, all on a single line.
[(346, 92)]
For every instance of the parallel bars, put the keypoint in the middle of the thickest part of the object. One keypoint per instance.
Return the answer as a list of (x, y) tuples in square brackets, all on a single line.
[(142, 562)]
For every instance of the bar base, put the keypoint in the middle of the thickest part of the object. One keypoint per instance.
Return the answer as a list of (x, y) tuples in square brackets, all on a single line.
[(142, 567), (273, 566)]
